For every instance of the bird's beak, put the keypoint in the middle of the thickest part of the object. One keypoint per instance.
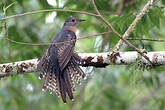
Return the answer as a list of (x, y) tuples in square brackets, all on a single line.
[(82, 20)]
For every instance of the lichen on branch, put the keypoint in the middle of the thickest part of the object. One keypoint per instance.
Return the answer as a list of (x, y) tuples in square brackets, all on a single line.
[(90, 59)]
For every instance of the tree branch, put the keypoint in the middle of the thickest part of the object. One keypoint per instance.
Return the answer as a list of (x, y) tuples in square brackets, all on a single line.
[(146, 39), (115, 32), (132, 26), (37, 44), (90, 59), (82, 37), (102, 18), (87, 13), (48, 10)]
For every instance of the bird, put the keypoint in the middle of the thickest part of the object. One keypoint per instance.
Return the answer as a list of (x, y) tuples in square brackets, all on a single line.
[(59, 65)]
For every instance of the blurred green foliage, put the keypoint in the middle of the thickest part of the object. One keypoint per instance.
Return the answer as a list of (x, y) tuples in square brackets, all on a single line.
[(110, 88)]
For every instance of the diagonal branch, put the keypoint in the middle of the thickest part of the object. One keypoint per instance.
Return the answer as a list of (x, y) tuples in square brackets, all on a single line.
[(132, 26), (87, 13), (115, 32), (102, 18), (90, 59)]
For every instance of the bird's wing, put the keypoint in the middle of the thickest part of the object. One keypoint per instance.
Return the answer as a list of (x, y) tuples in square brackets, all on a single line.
[(65, 49)]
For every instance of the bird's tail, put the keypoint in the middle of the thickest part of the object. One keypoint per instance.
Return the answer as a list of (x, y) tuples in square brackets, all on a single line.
[(72, 73), (65, 86), (62, 82)]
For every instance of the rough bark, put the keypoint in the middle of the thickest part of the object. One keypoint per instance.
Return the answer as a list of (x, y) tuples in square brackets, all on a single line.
[(90, 59)]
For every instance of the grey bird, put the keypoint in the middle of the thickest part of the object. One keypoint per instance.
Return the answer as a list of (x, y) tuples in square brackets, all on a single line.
[(60, 64)]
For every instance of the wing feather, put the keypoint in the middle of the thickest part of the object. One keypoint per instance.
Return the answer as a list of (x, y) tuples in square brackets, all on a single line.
[(65, 50)]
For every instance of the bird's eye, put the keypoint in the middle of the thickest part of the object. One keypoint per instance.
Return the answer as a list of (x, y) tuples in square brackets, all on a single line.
[(73, 20)]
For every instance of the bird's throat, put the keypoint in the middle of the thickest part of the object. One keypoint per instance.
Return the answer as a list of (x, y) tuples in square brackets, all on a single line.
[(73, 28)]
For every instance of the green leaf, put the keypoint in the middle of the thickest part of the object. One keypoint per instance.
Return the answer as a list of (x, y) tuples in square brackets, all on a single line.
[(113, 17), (155, 16)]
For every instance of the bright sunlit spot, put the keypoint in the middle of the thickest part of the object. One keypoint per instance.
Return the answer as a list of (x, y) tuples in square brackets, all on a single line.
[(61, 3), (50, 17), (29, 87), (54, 3)]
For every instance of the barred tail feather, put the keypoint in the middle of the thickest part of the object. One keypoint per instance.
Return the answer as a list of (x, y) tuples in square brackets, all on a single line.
[(65, 86), (55, 85), (45, 84), (42, 75), (52, 85), (60, 81), (76, 72)]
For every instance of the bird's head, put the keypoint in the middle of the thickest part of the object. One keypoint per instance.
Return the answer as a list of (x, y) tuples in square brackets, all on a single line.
[(73, 21)]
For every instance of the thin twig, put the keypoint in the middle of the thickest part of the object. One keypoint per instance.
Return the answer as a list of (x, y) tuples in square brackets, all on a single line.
[(6, 29), (146, 39), (9, 48), (95, 35), (107, 37), (115, 32), (102, 18), (83, 12), (132, 26), (49, 10), (36, 44)]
